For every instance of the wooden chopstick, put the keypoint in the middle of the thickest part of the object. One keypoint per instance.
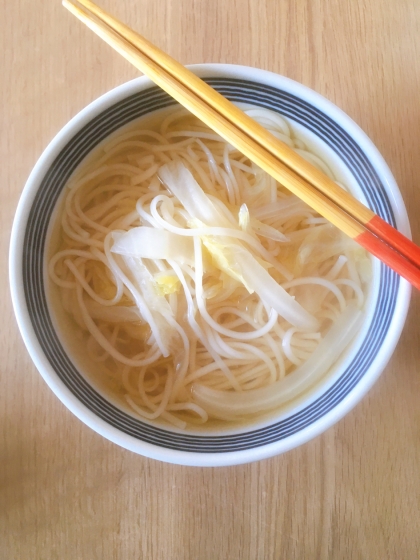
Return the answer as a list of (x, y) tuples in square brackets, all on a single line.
[(272, 155)]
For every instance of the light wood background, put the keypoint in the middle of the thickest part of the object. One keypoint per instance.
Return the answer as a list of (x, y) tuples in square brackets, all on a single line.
[(353, 493)]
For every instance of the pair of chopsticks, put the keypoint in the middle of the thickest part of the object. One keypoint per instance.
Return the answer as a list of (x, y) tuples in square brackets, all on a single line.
[(254, 141)]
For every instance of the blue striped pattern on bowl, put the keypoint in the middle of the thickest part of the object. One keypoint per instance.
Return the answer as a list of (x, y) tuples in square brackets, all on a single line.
[(33, 264)]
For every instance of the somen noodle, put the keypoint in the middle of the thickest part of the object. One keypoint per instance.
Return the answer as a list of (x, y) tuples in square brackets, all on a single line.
[(203, 287)]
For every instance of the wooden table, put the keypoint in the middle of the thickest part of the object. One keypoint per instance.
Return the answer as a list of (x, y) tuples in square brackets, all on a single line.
[(352, 493)]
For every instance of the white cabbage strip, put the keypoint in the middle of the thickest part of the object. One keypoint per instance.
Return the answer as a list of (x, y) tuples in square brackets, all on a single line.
[(150, 243), (222, 404), (201, 288)]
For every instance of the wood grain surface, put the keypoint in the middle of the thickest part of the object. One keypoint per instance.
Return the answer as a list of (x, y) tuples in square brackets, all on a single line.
[(352, 493)]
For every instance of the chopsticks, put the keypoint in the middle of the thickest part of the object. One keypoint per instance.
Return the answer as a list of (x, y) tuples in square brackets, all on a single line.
[(254, 141)]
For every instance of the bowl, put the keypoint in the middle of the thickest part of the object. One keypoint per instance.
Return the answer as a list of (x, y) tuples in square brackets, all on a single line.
[(354, 158)]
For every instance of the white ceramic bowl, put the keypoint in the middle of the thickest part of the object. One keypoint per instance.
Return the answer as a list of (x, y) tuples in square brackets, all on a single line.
[(355, 160)]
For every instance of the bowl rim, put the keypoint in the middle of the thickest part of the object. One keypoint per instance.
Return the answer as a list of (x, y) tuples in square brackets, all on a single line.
[(89, 417)]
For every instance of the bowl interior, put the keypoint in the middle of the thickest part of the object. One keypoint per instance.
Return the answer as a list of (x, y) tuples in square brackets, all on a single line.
[(363, 359)]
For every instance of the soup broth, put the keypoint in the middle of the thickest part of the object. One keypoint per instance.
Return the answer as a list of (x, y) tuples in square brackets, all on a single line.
[(194, 287)]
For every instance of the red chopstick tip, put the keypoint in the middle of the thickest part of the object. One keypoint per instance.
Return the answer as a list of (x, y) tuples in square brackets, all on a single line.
[(395, 238), (394, 260)]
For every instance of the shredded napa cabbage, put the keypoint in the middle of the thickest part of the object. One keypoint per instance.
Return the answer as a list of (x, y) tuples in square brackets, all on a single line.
[(229, 253), (151, 243)]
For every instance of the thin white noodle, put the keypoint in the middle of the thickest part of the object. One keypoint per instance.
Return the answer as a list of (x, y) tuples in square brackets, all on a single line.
[(320, 282), (151, 355), (165, 415), (193, 323), (357, 290)]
